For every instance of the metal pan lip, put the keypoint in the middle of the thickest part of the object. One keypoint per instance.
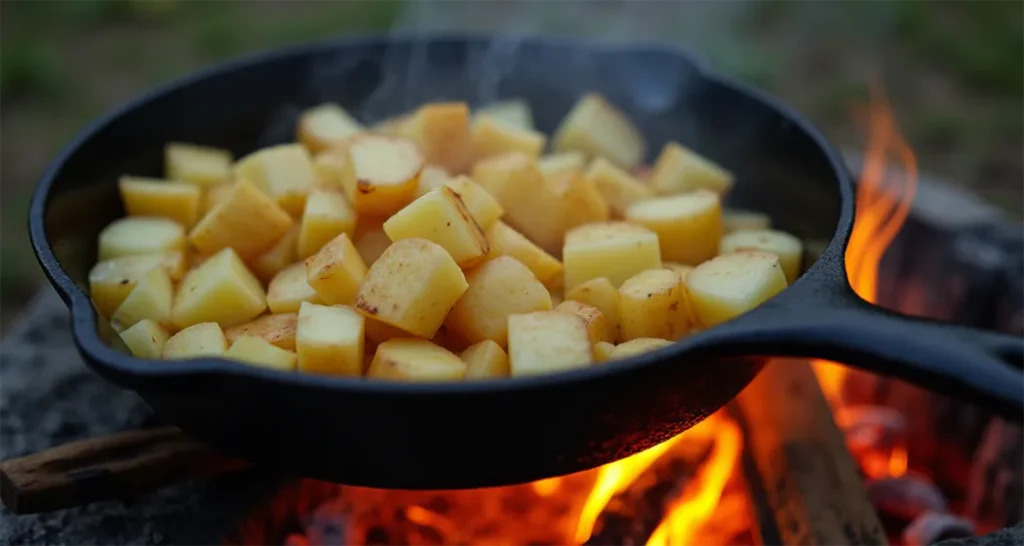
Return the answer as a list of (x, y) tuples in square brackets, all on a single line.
[(133, 372)]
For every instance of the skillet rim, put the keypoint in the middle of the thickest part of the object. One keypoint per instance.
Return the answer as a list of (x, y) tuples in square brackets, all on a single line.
[(127, 369)]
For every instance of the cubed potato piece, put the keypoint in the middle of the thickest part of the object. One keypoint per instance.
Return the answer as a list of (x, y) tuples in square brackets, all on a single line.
[(247, 221), (336, 272), (683, 270), (150, 299), (370, 239), (485, 360), (497, 289), (266, 266), (788, 248), (215, 195), (178, 201), (505, 241), (289, 289), (441, 130), (327, 215), (547, 342), (554, 164), (146, 339), (200, 165), (330, 340), (412, 286), (603, 351), (137, 235), (729, 285), (196, 341), (736, 220), (328, 166), (598, 129), (492, 136), (615, 250), (381, 174), (583, 202), (652, 303), (484, 208), (637, 346), (326, 125), (602, 295), (531, 206), (283, 172), (220, 290), (378, 332), (441, 217), (515, 112), (256, 351), (597, 325), (689, 225), (680, 170), (431, 178), (278, 330), (415, 360), (619, 188), (111, 281)]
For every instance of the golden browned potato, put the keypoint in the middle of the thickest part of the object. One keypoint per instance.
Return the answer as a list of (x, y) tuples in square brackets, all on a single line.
[(729, 285), (485, 360), (200, 165), (652, 303), (597, 324), (370, 240), (441, 130), (328, 165), (378, 332), (619, 188), (788, 248), (178, 201), (602, 295), (547, 342), (431, 178), (111, 281), (497, 289), (289, 289), (515, 112), (637, 346), (215, 195), (326, 125), (137, 235), (150, 299), (283, 172), (256, 351), (336, 271), (680, 170), (146, 339), (381, 174), (327, 215), (220, 290), (330, 340), (531, 206), (482, 205), (603, 351), (505, 241), (198, 340), (615, 250), (441, 217), (736, 220), (412, 286), (554, 164), (598, 129), (583, 202), (247, 221), (266, 266), (278, 330), (492, 136), (689, 225), (415, 360)]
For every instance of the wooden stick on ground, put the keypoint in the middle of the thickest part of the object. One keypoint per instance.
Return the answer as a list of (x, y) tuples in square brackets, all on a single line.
[(797, 465), (106, 468)]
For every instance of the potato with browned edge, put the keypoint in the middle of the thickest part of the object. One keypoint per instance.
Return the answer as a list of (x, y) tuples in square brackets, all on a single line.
[(497, 289), (546, 342), (415, 360), (381, 174)]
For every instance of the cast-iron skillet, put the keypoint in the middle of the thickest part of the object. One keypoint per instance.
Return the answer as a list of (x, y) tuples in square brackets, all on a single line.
[(498, 432)]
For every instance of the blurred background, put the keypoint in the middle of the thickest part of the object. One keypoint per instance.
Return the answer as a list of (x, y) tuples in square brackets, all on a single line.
[(953, 71)]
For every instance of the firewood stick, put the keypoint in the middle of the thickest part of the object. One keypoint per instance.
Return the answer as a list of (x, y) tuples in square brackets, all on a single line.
[(796, 461), (105, 468)]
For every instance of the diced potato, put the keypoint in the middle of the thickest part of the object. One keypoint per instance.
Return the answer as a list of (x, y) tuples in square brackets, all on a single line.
[(505, 241), (200, 165), (215, 195), (583, 202), (220, 290), (278, 330), (394, 126), (283, 172), (603, 351), (178, 201), (198, 340), (328, 166), (683, 270), (431, 178), (602, 295), (140, 235), (531, 206), (736, 220), (247, 221), (441, 130), (111, 281), (256, 351), (381, 174), (689, 225), (327, 215), (514, 112), (652, 303), (492, 136), (680, 170), (547, 342), (412, 286), (289, 289), (146, 339), (615, 250), (336, 271), (329, 340), (554, 164), (370, 240), (727, 286), (378, 332), (325, 125), (415, 360), (266, 266), (598, 129), (597, 325), (441, 217), (150, 299), (484, 208), (788, 248), (497, 289), (485, 360), (637, 346), (619, 188)]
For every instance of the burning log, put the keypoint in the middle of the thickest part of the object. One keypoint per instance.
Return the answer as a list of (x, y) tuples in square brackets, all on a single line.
[(905, 498), (995, 490), (932, 527)]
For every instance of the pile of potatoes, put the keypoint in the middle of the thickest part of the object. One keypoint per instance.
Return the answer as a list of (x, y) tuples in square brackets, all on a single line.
[(439, 245)]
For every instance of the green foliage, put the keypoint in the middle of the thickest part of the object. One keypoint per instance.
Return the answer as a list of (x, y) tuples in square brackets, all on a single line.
[(30, 67)]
